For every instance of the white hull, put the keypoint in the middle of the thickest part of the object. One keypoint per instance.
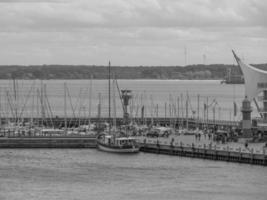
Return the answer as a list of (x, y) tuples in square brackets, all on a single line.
[(117, 150)]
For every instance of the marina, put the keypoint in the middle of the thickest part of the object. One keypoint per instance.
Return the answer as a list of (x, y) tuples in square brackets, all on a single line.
[(229, 140)]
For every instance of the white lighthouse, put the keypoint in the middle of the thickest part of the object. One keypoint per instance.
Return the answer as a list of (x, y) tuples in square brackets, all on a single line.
[(246, 118)]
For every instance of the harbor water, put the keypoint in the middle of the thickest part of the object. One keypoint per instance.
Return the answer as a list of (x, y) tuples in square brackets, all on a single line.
[(82, 174)]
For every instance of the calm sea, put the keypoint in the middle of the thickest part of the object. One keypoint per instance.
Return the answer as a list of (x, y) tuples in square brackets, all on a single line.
[(82, 174), (80, 94)]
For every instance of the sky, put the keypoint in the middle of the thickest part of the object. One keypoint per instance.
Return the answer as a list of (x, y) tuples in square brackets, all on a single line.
[(132, 32)]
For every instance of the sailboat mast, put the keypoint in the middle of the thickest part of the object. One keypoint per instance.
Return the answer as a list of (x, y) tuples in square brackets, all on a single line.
[(90, 100), (65, 108), (109, 96), (15, 99), (114, 103)]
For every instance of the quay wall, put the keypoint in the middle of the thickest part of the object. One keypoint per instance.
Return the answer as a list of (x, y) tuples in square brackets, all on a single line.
[(48, 142), (204, 152), (177, 149)]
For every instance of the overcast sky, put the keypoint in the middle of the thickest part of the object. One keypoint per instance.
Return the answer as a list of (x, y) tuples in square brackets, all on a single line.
[(132, 32)]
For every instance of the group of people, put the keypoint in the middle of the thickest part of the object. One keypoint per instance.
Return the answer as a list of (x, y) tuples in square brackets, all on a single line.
[(198, 136)]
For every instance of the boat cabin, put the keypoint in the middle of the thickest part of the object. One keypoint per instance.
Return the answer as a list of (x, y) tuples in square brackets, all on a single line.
[(125, 141), (120, 141)]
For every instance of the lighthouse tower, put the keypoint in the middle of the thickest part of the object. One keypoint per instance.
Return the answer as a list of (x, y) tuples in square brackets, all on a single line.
[(246, 120), (126, 96)]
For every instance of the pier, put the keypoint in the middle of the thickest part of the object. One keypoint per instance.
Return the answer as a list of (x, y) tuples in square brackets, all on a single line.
[(203, 151)]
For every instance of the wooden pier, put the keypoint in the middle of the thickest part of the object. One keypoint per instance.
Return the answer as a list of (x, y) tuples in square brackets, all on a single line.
[(204, 152)]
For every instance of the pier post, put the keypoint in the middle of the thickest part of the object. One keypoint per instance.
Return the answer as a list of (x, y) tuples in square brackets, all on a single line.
[(158, 146), (193, 149), (240, 154), (205, 151), (251, 155), (216, 153), (228, 154), (182, 149), (265, 157)]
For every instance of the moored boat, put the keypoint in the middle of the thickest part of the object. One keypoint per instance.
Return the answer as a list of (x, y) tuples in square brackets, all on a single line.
[(110, 143), (114, 141)]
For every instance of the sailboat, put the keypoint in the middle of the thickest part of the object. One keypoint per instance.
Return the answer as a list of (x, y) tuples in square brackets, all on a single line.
[(112, 141)]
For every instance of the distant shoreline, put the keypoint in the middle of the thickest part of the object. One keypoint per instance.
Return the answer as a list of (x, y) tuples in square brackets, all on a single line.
[(70, 72), (211, 80)]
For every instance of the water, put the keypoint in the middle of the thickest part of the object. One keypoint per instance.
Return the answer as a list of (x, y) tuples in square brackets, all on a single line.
[(82, 174), (149, 93)]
